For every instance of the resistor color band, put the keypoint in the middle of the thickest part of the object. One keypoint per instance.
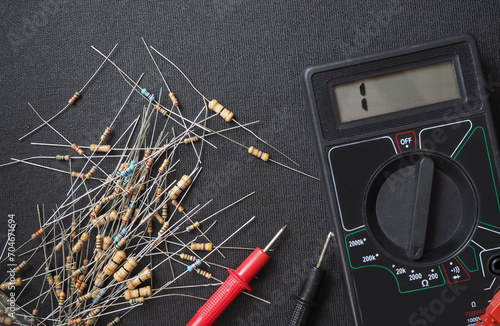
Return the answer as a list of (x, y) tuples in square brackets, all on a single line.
[(73, 98)]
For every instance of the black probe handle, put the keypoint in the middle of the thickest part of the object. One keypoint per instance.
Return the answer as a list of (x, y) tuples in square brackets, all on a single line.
[(305, 300), (301, 313)]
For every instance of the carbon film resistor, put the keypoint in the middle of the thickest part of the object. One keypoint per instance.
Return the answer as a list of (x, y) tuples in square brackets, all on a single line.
[(100, 148), (38, 233), (58, 282), (119, 245), (10, 286), (48, 275), (201, 246), (123, 272), (188, 257), (141, 292), (225, 114), (175, 102), (140, 278), (178, 206), (203, 273), (81, 242), (105, 134), (193, 226), (150, 96), (73, 98), (159, 191), (20, 266), (62, 298), (63, 157), (161, 169), (137, 300), (194, 265), (260, 154), (75, 321), (114, 322), (118, 257), (189, 140), (160, 109), (77, 149), (179, 187), (34, 314)]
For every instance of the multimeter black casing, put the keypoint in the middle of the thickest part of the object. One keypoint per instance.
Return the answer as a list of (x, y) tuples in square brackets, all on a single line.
[(457, 275)]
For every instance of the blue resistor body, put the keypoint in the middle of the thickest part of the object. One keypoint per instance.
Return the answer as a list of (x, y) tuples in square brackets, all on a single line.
[(99, 295), (195, 265), (122, 233), (129, 170), (150, 96)]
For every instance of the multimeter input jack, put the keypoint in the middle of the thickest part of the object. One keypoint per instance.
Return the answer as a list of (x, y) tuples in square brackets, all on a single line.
[(494, 265)]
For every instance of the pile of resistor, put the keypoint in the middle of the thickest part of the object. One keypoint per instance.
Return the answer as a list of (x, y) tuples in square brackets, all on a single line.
[(98, 243)]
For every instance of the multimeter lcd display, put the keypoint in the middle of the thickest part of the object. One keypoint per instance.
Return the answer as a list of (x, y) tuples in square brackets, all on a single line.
[(398, 91)]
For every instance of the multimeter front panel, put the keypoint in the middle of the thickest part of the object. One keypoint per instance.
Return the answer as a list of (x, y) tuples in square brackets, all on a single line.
[(411, 181)]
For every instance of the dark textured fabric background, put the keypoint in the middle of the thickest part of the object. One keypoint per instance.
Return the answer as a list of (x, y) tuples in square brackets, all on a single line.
[(246, 54)]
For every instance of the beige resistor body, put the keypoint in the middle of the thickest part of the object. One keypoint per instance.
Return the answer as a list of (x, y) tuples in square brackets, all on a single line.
[(90, 322), (7, 321), (175, 102), (159, 218), (114, 322), (260, 154), (136, 293), (140, 278), (99, 281), (137, 300), (106, 242), (193, 226), (159, 191), (120, 244), (20, 266), (81, 242), (50, 278), (221, 110), (201, 246), (123, 272), (179, 187), (38, 233), (189, 140), (112, 215), (95, 210), (178, 206), (164, 165), (100, 148), (105, 134), (113, 263), (77, 149), (17, 282), (58, 281)]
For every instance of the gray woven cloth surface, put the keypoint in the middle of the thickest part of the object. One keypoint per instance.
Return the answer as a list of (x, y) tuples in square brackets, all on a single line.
[(249, 56)]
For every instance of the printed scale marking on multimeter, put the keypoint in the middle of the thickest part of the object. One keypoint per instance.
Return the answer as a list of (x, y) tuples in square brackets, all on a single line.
[(409, 161)]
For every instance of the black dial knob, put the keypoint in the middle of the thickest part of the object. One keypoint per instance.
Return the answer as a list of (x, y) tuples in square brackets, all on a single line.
[(421, 208)]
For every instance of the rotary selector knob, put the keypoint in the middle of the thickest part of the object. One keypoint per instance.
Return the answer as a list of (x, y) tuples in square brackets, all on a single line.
[(421, 208)]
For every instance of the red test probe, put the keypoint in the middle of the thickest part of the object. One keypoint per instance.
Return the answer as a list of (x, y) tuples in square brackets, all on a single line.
[(236, 282), (491, 316)]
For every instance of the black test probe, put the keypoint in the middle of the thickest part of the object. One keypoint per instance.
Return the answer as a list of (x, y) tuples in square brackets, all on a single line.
[(308, 292)]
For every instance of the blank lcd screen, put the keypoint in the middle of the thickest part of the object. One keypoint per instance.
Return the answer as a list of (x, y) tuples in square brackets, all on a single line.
[(398, 91)]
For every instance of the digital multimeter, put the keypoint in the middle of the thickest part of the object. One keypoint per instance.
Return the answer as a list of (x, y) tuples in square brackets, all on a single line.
[(409, 164)]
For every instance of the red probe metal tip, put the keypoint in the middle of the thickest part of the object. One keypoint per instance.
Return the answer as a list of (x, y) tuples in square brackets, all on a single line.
[(236, 282)]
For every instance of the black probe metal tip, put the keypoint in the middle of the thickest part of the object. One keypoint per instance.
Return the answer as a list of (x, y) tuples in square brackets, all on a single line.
[(307, 295)]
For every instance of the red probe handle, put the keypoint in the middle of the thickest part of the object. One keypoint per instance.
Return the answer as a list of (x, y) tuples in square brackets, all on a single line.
[(491, 316), (236, 282), (218, 302)]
